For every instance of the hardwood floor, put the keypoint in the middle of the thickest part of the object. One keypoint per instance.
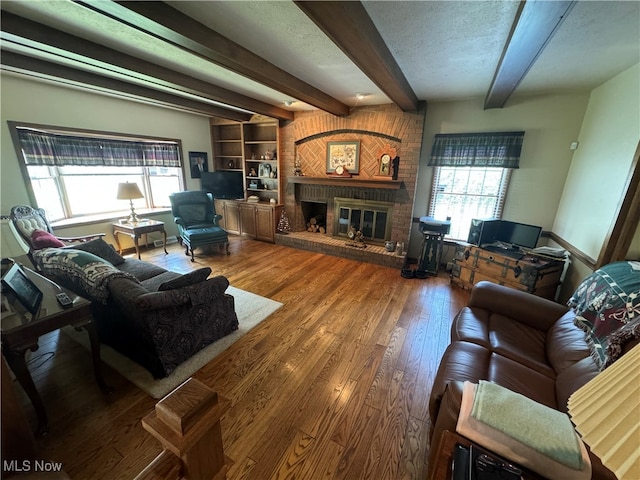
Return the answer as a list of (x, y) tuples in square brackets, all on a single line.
[(334, 385)]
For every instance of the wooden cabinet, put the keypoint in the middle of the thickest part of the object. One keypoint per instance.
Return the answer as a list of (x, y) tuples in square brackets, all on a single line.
[(247, 219), (266, 219), (252, 148), (230, 215), (255, 220), (531, 273)]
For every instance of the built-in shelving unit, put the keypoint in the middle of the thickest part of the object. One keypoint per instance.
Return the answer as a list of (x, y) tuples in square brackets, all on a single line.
[(227, 146), (261, 159), (250, 147)]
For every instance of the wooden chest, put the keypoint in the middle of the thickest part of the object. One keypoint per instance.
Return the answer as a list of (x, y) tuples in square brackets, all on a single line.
[(531, 273)]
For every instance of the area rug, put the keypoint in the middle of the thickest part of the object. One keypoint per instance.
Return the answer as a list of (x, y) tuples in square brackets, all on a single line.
[(251, 310)]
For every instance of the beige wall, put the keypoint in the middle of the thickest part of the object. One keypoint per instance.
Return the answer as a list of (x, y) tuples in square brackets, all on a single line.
[(34, 101), (601, 165), (550, 124)]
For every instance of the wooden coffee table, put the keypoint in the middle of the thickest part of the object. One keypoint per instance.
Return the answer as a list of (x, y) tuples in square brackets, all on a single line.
[(21, 330), (136, 230)]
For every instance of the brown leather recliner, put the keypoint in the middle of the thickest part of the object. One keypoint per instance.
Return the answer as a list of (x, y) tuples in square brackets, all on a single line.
[(519, 341)]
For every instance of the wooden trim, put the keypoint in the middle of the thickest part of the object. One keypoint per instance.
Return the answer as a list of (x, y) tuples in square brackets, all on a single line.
[(348, 182), (618, 241), (578, 254), (172, 26), (346, 130), (535, 24), (349, 26)]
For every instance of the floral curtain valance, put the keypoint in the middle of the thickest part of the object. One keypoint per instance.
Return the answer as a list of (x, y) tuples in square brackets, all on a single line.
[(477, 150), (42, 148)]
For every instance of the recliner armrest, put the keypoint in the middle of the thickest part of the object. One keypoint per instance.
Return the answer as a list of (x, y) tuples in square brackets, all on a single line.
[(214, 219), (537, 312)]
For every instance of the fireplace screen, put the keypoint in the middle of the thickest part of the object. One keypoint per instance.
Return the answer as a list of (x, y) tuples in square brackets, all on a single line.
[(373, 219)]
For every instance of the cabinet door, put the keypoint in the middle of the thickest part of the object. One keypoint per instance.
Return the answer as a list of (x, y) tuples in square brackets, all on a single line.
[(247, 219), (265, 223), (231, 217)]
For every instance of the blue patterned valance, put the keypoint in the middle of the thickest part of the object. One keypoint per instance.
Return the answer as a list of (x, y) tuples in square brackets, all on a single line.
[(43, 148), (500, 149)]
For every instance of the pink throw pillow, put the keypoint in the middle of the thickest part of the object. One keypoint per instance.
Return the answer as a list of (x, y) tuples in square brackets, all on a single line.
[(41, 239)]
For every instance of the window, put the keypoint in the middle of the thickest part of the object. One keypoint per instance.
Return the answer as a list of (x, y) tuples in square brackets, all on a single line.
[(471, 176), (73, 176), (464, 193)]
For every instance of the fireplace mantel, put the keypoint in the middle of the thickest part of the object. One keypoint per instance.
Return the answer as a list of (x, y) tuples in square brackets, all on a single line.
[(348, 182)]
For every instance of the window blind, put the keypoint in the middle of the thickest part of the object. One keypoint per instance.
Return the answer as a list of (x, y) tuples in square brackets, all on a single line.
[(500, 149), (43, 148)]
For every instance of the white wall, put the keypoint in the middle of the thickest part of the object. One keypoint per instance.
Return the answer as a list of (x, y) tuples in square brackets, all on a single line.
[(32, 101), (600, 167), (550, 124)]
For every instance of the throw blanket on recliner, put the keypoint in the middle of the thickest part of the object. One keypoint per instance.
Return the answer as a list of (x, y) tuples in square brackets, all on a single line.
[(81, 272), (607, 306)]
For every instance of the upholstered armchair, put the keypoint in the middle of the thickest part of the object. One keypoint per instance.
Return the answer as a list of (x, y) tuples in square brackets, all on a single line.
[(195, 215), (34, 228)]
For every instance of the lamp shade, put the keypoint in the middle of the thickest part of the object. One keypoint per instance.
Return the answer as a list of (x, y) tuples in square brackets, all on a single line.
[(606, 413), (12, 245), (128, 191)]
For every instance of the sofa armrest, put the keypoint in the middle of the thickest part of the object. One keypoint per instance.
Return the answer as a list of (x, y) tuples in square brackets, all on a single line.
[(534, 311), (209, 290), (447, 418)]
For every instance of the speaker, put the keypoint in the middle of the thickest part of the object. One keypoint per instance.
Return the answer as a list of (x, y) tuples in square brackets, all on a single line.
[(483, 231)]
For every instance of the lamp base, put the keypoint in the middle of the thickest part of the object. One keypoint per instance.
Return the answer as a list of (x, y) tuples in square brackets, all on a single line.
[(133, 218)]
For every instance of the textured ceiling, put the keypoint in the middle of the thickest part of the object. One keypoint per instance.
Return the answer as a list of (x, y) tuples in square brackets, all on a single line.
[(445, 49)]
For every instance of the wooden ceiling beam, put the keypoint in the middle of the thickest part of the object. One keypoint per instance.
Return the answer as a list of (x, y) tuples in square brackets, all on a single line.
[(105, 59), (170, 25), (349, 26), (43, 69), (535, 24)]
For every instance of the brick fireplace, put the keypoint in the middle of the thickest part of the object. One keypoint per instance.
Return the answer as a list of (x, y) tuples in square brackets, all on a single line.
[(376, 128)]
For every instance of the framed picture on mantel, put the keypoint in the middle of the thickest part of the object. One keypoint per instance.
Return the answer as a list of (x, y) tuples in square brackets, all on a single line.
[(343, 154)]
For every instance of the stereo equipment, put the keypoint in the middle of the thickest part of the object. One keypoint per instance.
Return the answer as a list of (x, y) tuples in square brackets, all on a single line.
[(483, 231), (430, 224)]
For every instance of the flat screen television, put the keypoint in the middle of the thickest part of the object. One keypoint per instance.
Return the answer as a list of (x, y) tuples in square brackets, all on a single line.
[(223, 184), (518, 234)]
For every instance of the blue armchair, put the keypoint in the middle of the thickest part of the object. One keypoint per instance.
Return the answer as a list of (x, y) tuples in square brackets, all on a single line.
[(195, 215)]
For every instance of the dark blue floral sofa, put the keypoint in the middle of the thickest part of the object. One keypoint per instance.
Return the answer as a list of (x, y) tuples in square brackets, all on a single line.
[(155, 317)]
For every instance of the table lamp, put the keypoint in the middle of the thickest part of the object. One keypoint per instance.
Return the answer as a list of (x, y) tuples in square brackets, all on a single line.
[(129, 191), (12, 245), (606, 413)]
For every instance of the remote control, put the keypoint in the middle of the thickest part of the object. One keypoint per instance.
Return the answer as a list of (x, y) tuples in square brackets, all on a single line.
[(64, 300)]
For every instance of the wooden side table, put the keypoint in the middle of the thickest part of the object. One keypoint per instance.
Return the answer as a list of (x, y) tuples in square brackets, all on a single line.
[(136, 230), (20, 332)]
